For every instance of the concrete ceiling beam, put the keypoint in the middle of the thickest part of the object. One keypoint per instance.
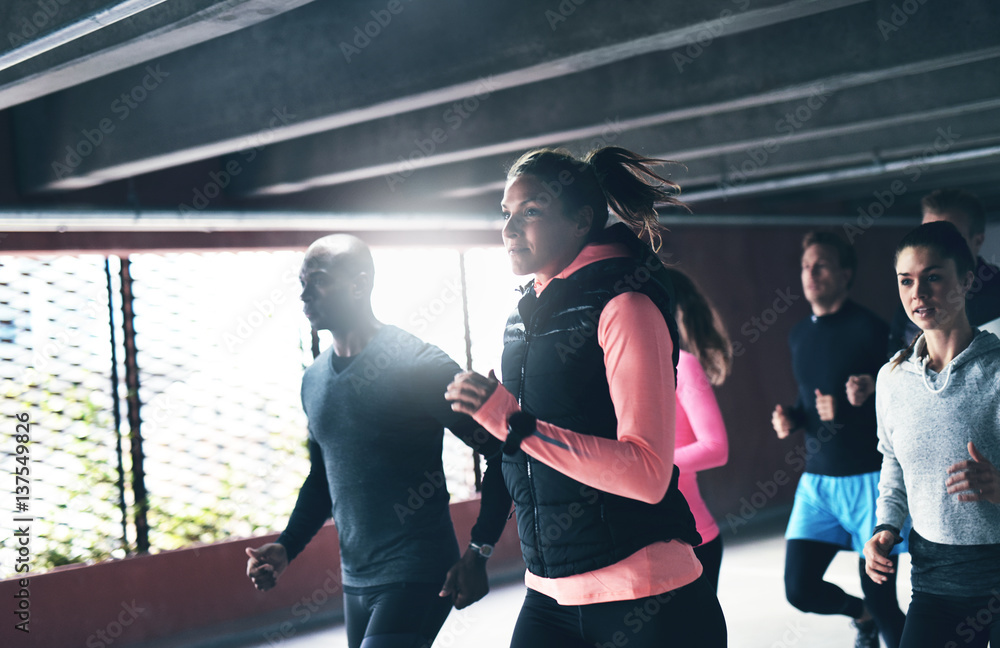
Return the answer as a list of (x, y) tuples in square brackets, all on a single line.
[(91, 45), (326, 66)]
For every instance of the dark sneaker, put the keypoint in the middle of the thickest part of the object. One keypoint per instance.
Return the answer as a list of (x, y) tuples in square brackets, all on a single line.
[(867, 634)]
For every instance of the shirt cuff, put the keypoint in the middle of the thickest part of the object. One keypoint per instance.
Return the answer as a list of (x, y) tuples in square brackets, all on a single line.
[(292, 548), (495, 411), (894, 530)]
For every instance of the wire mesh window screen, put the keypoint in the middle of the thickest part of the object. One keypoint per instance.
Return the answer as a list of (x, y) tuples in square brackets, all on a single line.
[(220, 346), (55, 365)]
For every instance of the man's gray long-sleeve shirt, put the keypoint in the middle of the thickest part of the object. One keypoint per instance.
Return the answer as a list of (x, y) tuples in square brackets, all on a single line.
[(375, 437)]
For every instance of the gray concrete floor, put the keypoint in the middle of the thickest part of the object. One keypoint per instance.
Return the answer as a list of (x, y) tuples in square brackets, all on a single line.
[(751, 591)]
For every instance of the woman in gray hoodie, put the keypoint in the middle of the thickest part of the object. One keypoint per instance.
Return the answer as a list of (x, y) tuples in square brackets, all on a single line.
[(938, 409)]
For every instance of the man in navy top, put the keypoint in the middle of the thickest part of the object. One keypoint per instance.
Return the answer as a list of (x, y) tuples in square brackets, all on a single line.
[(836, 353)]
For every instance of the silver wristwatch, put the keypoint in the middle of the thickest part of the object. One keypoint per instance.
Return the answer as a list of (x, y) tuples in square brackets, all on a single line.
[(484, 550)]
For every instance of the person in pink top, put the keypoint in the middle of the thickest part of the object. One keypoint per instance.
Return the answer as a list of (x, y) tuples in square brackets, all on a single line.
[(587, 412), (706, 359)]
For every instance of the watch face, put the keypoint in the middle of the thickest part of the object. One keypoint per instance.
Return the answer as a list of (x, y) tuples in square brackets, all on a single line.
[(485, 550)]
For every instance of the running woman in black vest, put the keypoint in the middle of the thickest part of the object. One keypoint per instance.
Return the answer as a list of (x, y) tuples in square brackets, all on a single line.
[(588, 396)]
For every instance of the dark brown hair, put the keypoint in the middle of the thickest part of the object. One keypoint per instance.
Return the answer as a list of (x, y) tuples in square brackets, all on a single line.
[(609, 177), (702, 332), (944, 239)]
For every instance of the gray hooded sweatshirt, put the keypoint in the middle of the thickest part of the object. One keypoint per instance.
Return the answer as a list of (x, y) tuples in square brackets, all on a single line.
[(925, 422)]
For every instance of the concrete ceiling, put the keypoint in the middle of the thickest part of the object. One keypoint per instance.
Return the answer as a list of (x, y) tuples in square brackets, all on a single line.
[(771, 107)]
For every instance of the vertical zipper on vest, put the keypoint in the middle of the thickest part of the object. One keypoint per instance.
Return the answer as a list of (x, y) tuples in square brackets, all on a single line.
[(534, 506), (524, 362), (527, 459)]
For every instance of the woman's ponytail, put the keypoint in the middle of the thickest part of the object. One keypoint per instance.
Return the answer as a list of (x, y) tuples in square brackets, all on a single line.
[(905, 353), (632, 189)]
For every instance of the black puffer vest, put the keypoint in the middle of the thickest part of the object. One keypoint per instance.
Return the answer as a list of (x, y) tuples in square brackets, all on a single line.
[(554, 365)]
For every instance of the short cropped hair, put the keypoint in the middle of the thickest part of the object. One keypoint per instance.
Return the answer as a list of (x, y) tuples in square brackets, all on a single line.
[(957, 201), (846, 255), (845, 251)]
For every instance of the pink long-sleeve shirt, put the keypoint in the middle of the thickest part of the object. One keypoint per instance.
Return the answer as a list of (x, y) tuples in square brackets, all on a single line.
[(637, 464), (701, 438)]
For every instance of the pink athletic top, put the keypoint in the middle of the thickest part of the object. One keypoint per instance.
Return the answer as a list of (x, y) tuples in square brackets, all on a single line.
[(701, 438), (638, 464)]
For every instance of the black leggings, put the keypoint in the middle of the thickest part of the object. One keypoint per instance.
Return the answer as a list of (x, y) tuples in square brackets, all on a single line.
[(710, 556), (400, 615), (935, 621), (688, 616), (805, 563)]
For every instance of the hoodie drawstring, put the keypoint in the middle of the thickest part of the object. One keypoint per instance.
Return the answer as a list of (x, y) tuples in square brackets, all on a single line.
[(923, 371)]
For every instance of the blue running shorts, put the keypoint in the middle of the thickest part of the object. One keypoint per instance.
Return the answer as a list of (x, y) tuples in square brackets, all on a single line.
[(837, 510)]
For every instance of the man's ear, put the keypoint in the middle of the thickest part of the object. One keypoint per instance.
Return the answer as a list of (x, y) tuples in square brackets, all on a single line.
[(362, 285)]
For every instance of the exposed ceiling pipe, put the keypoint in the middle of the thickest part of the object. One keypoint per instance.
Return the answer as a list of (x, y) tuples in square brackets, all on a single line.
[(52, 220), (868, 171), (97, 220), (86, 25)]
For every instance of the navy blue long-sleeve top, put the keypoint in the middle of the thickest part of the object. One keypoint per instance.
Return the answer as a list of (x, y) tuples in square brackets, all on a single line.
[(826, 351), (376, 426)]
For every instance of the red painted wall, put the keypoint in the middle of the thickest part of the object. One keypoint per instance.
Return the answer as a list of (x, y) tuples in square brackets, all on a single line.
[(196, 591)]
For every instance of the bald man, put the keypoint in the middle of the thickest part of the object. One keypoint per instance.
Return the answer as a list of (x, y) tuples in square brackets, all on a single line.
[(982, 303), (377, 413)]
